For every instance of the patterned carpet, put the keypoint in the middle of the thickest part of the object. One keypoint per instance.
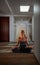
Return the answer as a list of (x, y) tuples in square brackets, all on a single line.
[(17, 59), (7, 57)]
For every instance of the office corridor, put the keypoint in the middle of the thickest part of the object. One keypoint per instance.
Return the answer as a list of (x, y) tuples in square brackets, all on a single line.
[(17, 15)]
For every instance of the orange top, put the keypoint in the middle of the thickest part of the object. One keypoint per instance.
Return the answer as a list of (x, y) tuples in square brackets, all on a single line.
[(22, 39)]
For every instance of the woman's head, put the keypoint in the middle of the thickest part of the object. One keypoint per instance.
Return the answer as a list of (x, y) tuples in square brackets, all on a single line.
[(22, 32)]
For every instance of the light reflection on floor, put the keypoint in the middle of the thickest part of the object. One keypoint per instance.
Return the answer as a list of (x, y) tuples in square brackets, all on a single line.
[(5, 51), (7, 47)]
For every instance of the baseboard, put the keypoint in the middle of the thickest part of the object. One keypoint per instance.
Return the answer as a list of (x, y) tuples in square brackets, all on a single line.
[(12, 42), (36, 59)]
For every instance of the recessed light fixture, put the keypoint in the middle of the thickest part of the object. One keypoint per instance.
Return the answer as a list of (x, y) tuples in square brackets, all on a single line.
[(24, 8)]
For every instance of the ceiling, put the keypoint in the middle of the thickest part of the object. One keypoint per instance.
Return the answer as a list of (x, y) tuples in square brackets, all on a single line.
[(11, 7)]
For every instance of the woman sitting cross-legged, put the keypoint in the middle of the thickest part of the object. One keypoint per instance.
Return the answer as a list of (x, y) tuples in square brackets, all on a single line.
[(22, 42)]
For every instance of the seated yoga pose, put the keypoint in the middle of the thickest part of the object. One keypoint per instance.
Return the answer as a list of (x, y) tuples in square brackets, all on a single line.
[(22, 40), (23, 43)]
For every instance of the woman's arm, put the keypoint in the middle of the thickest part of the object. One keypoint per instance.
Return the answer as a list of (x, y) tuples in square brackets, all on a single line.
[(26, 39), (18, 41)]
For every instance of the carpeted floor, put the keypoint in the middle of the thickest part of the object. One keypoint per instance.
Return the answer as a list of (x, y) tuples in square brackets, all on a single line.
[(17, 59), (7, 57)]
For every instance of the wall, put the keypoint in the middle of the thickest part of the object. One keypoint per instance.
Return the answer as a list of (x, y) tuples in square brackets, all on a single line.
[(11, 28), (15, 29), (33, 28), (36, 30), (23, 25)]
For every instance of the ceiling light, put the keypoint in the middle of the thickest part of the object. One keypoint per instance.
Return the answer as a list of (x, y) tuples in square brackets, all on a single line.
[(24, 8)]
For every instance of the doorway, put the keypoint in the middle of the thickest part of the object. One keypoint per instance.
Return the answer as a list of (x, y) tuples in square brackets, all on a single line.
[(4, 29)]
